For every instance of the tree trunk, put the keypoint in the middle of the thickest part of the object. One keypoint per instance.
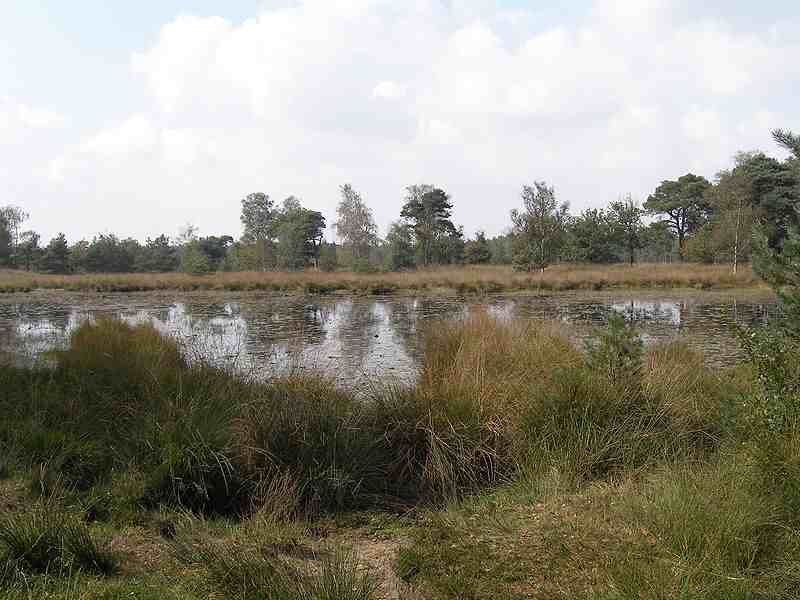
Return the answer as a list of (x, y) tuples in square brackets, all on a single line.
[(736, 236), (541, 255)]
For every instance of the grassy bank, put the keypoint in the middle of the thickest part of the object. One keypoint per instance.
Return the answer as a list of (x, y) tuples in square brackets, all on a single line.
[(516, 467), (467, 280)]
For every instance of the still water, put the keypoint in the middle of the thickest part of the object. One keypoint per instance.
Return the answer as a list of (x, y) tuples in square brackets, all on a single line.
[(356, 339)]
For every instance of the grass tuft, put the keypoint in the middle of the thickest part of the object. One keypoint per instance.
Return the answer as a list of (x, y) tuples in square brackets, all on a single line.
[(243, 572), (42, 542)]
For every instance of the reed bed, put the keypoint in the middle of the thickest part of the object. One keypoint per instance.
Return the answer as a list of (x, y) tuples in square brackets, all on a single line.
[(464, 280)]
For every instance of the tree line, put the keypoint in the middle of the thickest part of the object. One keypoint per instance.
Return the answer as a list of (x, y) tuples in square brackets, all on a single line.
[(688, 218)]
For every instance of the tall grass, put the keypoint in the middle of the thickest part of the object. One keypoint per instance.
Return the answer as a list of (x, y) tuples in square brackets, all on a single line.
[(476, 279), (717, 532), (495, 400)]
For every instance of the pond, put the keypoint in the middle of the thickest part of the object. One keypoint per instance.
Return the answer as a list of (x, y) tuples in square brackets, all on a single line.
[(357, 339)]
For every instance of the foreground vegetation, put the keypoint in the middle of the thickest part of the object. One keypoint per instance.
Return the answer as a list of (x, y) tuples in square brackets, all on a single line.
[(516, 467), (464, 280)]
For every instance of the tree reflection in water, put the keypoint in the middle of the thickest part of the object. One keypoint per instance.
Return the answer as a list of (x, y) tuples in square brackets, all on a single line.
[(356, 338)]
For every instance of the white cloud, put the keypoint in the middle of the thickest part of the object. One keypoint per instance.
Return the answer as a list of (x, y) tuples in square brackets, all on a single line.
[(17, 116), (702, 124), (136, 134), (185, 54), (382, 94), (388, 90)]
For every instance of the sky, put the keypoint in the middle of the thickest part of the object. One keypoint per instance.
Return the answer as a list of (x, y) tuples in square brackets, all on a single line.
[(139, 117)]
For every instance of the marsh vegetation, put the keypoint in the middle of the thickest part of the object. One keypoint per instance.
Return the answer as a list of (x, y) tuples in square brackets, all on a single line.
[(462, 280), (516, 466)]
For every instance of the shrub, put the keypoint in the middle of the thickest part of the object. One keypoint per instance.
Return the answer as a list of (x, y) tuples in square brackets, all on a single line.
[(195, 474), (618, 350), (497, 398), (66, 461), (694, 399), (124, 361), (458, 430)]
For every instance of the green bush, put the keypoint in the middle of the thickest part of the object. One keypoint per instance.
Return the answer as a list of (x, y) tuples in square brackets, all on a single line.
[(618, 350)]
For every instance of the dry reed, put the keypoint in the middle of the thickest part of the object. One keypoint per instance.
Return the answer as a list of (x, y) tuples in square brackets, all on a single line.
[(478, 279)]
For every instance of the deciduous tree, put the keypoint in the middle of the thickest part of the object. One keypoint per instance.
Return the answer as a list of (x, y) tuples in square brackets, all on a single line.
[(28, 251), (477, 251), (108, 254), (775, 193), (5, 242), (626, 217), (299, 232), (591, 237), (355, 225), (13, 217), (539, 228), (257, 219), (399, 247), (158, 255)]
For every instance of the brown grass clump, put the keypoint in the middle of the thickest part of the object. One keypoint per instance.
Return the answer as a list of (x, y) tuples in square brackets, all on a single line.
[(461, 427), (465, 280), (497, 401)]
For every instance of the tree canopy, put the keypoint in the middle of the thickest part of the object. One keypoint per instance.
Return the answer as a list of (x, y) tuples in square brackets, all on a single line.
[(681, 204), (427, 211)]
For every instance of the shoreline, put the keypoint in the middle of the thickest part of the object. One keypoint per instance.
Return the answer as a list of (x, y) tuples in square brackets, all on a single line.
[(81, 295), (457, 281)]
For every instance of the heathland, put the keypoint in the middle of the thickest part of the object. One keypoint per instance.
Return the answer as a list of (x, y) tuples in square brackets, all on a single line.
[(464, 280), (516, 466)]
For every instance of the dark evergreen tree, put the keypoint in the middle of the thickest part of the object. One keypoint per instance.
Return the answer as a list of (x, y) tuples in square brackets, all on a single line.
[(681, 204), (55, 258), (427, 211)]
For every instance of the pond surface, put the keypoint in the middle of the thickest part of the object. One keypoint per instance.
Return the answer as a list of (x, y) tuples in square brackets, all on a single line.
[(356, 339)]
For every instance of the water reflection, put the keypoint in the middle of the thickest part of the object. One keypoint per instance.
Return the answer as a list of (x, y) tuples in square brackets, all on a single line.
[(354, 339)]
